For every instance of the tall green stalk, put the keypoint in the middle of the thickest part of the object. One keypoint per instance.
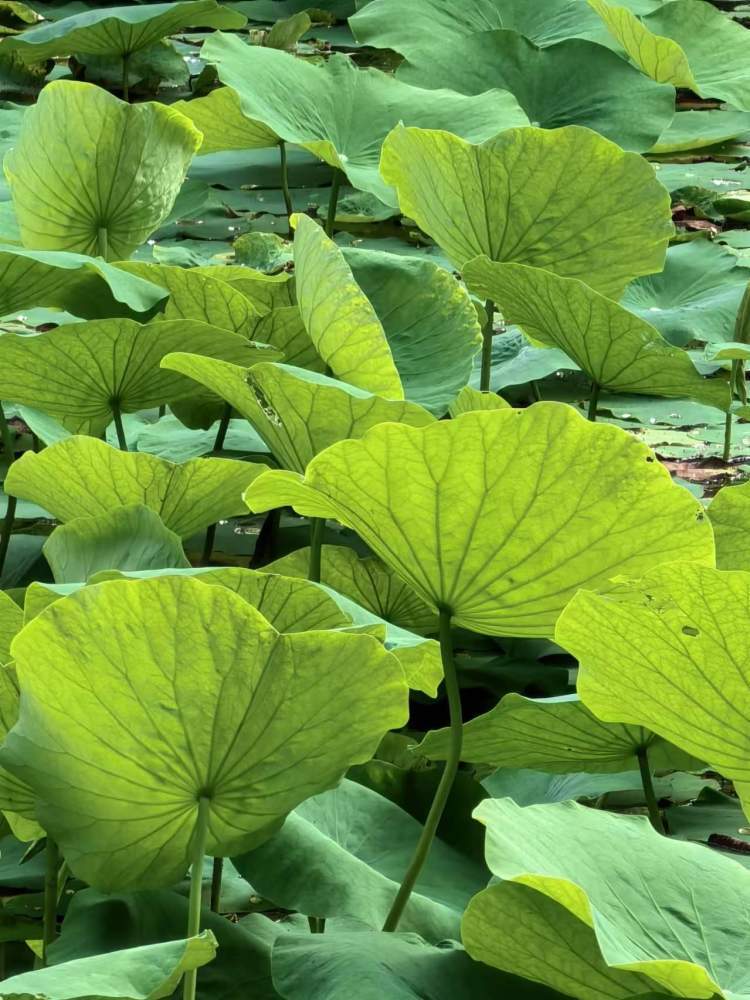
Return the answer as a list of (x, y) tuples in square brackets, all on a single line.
[(437, 808), (119, 429), (317, 524), (333, 201), (221, 433), (6, 528), (52, 867), (285, 184), (647, 781), (216, 876), (125, 81), (487, 333), (593, 401), (200, 837)]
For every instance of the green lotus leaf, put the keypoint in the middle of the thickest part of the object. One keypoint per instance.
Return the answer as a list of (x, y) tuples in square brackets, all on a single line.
[(283, 329), (668, 652), (296, 412), (729, 513), (80, 373), (219, 117), (84, 286), (366, 580), (480, 517), (429, 320), (468, 400), (581, 206), (342, 114), (584, 872), (83, 476), (338, 316), (94, 175), (384, 23), (359, 844), (119, 778), (397, 966), (267, 292), (11, 620), (552, 85), (146, 973), (619, 351), (732, 350), (16, 797), (120, 30), (557, 735), (687, 43), (696, 296), (690, 130), (131, 537)]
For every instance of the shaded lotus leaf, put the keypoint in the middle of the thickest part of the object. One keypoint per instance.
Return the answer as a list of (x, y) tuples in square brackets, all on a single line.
[(131, 537), (283, 329), (470, 399), (669, 652), (80, 372), (338, 316), (118, 782), (732, 350), (397, 966), (478, 515), (557, 735), (16, 797), (359, 845), (583, 872), (581, 206), (686, 43), (384, 23), (695, 129), (296, 412), (145, 973), (219, 117), (729, 513), (366, 580), (429, 320), (619, 351), (342, 114), (120, 30), (83, 286), (267, 292), (11, 620), (695, 297), (84, 476), (552, 84), (94, 175)]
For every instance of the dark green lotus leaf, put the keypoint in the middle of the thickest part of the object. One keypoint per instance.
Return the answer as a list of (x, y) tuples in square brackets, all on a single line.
[(690, 130), (553, 85)]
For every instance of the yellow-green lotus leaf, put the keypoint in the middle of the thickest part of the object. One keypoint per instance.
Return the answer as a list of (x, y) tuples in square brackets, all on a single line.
[(729, 513), (219, 117), (11, 620)]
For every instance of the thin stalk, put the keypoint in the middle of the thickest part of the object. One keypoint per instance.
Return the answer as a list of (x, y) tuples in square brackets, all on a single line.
[(119, 429), (316, 548), (216, 874), (333, 202), (221, 433), (267, 542), (593, 401), (125, 82), (285, 184), (648, 790), (6, 529), (49, 931), (727, 438), (208, 545), (487, 333), (6, 437), (446, 781), (102, 243), (200, 836), (317, 924)]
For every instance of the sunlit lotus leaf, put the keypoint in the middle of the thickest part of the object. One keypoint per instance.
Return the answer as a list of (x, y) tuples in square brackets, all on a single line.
[(11, 620), (729, 513), (470, 399), (219, 117)]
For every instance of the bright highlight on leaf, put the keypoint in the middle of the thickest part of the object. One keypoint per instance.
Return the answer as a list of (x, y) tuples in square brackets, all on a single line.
[(481, 516), (729, 513)]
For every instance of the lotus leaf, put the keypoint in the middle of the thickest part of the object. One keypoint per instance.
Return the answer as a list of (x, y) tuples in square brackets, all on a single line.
[(729, 513), (219, 117), (11, 620)]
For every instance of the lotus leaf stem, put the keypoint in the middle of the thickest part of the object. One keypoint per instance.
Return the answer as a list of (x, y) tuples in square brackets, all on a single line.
[(102, 242), (267, 541), (49, 927), (648, 790), (119, 429), (333, 202), (6, 435), (593, 401), (200, 837), (726, 454), (440, 800), (487, 334), (317, 525), (216, 874), (285, 184), (221, 433), (317, 924), (125, 82)]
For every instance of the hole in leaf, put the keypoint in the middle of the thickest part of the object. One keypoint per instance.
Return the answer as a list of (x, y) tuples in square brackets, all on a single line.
[(689, 630)]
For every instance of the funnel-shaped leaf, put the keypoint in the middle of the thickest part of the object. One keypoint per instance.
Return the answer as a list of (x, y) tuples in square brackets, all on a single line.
[(81, 372), (729, 513), (559, 735), (633, 912), (553, 85), (617, 350), (131, 537), (366, 580), (480, 516), (219, 117), (120, 31), (146, 973), (84, 476), (686, 43), (338, 316), (11, 620), (568, 201), (297, 413), (670, 652), (120, 741), (83, 286), (341, 113), (94, 175)]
